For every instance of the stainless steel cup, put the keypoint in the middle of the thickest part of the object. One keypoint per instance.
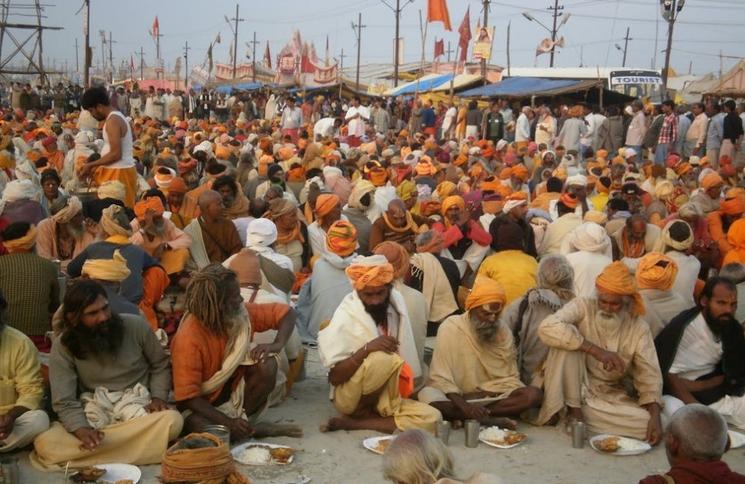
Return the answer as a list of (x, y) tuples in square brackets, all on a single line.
[(442, 431), (472, 433), (219, 431), (578, 434)]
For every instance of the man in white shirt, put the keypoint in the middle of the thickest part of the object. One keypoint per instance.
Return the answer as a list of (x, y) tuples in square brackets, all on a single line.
[(448, 123), (637, 127), (695, 137), (326, 128), (292, 119), (357, 117), (545, 130), (522, 126)]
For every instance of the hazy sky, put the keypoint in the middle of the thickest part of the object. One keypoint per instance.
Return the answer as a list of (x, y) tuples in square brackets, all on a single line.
[(705, 28)]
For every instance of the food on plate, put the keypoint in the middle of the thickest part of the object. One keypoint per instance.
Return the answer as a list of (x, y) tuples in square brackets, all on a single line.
[(609, 444), (281, 455), (88, 474), (256, 455), (124, 481), (382, 445), (498, 436)]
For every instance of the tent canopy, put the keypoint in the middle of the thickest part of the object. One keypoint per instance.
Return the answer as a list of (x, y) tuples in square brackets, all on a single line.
[(733, 82), (241, 86), (425, 83), (530, 87)]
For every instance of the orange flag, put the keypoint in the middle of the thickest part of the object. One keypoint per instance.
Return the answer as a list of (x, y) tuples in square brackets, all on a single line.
[(437, 11)]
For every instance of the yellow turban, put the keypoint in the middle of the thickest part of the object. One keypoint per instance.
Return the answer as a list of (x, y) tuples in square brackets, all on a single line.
[(22, 244), (110, 226), (656, 271), (341, 238), (452, 200), (372, 271), (617, 279), (711, 180), (485, 291), (445, 189), (406, 190), (113, 270), (325, 203)]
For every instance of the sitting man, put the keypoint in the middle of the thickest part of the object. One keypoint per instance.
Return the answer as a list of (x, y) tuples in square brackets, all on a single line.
[(695, 443), (327, 210), (395, 225), (98, 359), (219, 375), (64, 234), (23, 388), (235, 204), (655, 276), (214, 237), (636, 238), (619, 344), (158, 236), (700, 354), (466, 241), (475, 358), (369, 350)]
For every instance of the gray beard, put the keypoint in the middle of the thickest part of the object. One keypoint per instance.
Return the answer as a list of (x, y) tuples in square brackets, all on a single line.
[(75, 232), (234, 320), (155, 230), (485, 332)]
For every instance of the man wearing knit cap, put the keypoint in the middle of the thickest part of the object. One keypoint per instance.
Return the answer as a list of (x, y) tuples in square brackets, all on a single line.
[(475, 358), (328, 285), (606, 340), (655, 276), (64, 234), (160, 238), (368, 348)]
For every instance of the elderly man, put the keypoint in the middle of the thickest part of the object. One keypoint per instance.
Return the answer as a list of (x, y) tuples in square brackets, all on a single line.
[(696, 441), (562, 226), (700, 354), (435, 276), (369, 350), (158, 236), (361, 199), (524, 316), (110, 381), (219, 375), (21, 419), (395, 225), (328, 285), (327, 210), (588, 250), (475, 358), (655, 276), (214, 237), (175, 198), (465, 240), (292, 234), (711, 191), (596, 344), (235, 204), (63, 235), (636, 238)]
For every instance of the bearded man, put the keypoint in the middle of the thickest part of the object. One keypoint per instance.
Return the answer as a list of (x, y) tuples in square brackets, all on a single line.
[(475, 358), (701, 355), (595, 345), (369, 350), (219, 375), (235, 203), (64, 234), (636, 238), (214, 237), (158, 236), (98, 359)]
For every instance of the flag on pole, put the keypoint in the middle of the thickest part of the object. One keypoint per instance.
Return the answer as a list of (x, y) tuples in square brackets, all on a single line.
[(155, 29), (439, 48), (437, 11), (267, 56), (465, 35)]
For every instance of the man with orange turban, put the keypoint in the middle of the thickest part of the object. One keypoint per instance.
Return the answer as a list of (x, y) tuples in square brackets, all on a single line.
[(158, 236), (596, 344), (475, 358), (368, 348), (655, 276), (327, 211), (466, 241), (719, 221), (328, 284), (175, 198), (709, 197)]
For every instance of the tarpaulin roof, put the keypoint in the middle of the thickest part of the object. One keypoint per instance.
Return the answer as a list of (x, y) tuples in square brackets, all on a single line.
[(461, 81), (241, 86), (530, 86), (426, 83)]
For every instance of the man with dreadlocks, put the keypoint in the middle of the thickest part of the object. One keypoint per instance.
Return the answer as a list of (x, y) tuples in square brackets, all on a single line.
[(219, 375)]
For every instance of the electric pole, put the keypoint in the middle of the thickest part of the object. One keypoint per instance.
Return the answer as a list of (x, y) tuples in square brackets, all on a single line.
[(670, 13), (556, 11), (449, 51), (235, 19), (341, 59), (358, 32), (111, 57), (625, 46), (142, 64), (397, 40), (77, 61), (486, 23), (87, 60), (186, 64), (253, 57)]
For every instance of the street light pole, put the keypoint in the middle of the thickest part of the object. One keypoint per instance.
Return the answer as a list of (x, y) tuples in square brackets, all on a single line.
[(675, 6)]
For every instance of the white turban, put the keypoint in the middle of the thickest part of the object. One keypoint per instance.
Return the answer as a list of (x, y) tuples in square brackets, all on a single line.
[(261, 232), (501, 144), (83, 138), (577, 181), (629, 152), (510, 204), (590, 237), (18, 190), (666, 240), (331, 173), (205, 146)]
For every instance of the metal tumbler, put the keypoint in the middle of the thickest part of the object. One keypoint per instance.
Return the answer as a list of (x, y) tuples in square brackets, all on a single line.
[(578, 434), (442, 431), (472, 433)]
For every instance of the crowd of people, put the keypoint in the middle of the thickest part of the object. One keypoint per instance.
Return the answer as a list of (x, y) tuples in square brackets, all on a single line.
[(172, 262)]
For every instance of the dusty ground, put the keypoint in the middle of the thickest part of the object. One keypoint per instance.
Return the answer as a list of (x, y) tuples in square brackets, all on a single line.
[(547, 456)]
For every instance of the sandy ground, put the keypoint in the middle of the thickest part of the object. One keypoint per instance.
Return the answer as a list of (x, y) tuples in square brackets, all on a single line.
[(547, 456)]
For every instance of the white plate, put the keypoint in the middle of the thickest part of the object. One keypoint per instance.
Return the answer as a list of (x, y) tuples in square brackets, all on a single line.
[(499, 446), (238, 450), (120, 472), (645, 447), (737, 439), (372, 442)]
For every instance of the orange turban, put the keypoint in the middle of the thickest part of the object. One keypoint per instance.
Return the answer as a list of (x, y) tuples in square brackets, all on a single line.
[(734, 204), (569, 200), (520, 172), (429, 207), (150, 203), (397, 255), (711, 180), (485, 291), (296, 174), (491, 184), (452, 200), (505, 174), (425, 167), (372, 271), (603, 154), (341, 238), (378, 176), (177, 186), (445, 189), (656, 271), (617, 279), (460, 160), (222, 152), (325, 203), (683, 168), (264, 163)]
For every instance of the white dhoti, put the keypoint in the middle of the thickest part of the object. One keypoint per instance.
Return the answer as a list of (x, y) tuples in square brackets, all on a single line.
[(25, 429)]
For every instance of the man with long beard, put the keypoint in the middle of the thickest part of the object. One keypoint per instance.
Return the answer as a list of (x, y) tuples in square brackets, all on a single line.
[(110, 380), (158, 236), (369, 350), (475, 358), (595, 346), (64, 234), (220, 376), (701, 355)]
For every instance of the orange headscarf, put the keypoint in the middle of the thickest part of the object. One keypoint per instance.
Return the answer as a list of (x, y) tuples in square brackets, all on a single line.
[(373, 271), (325, 203), (378, 176), (656, 271), (151, 203), (617, 279), (733, 205), (520, 172), (491, 184), (452, 200), (711, 180), (485, 291), (341, 238)]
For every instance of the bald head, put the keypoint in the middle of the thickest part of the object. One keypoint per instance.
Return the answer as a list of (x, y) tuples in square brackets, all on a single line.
[(210, 205), (397, 212), (697, 433)]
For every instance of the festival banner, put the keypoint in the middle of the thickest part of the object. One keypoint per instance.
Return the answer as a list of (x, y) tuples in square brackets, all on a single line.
[(482, 44)]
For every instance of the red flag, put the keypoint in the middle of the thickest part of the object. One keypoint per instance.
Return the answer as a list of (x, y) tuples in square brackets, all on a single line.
[(465, 35), (439, 48), (437, 11), (267, 56), (155, 30)]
